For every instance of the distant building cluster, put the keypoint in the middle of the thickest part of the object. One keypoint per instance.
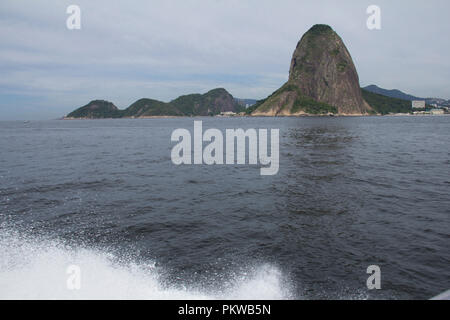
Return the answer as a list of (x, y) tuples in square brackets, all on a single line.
[(230, 114), (437, 111), (421, 108), (418, 104), (227, 114)]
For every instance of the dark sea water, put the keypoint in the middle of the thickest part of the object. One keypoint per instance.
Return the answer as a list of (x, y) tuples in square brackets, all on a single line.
[(105, 196)]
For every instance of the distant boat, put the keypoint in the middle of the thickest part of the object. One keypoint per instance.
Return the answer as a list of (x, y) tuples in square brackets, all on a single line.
[(26, 121)]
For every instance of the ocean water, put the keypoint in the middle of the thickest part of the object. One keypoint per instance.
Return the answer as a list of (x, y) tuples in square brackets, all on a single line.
[(104, 195)]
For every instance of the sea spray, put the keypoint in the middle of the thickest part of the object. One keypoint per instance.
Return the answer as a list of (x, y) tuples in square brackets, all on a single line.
[(32, 268)]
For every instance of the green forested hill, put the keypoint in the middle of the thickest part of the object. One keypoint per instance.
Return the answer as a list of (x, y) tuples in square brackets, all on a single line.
[(210, 103), (150, 107), (96, 109), (384, 105)]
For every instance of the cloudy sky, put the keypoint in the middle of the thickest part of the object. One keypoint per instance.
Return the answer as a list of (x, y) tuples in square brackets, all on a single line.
[(127, 50)]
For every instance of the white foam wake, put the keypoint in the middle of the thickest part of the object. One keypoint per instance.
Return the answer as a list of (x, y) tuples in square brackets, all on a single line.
[(37, 269)]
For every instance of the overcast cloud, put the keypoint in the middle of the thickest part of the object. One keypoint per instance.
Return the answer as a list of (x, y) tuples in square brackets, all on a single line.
[(127, 50)]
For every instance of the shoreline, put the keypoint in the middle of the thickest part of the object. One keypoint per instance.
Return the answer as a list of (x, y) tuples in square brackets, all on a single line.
[(270, 116)]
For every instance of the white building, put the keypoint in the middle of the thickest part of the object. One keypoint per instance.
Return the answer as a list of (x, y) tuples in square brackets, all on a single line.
[(437, 111), (227, 114), (418, 104)]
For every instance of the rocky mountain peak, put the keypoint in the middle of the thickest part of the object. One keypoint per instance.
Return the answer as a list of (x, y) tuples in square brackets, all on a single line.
[(322, 79)]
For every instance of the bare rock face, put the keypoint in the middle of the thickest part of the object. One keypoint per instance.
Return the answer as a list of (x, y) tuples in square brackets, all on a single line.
[(322, 79)]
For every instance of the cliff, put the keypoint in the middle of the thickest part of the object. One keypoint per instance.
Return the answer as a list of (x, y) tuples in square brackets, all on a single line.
[(322, 80)]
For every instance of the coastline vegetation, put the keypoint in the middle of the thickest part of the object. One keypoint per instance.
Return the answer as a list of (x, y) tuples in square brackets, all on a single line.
[(208, 104), (385, 105)]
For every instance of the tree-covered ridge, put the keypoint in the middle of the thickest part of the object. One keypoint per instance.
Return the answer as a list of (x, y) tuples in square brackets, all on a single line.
[(97, 109), (385, 105), (211, 103), (150, 107)]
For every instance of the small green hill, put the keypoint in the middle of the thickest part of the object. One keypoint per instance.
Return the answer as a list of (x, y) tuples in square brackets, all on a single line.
[(96, 109), (210, 103), (189, 104), (150, 107)]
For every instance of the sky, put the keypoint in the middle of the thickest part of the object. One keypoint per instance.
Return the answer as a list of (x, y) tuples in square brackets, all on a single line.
[(127, 50)]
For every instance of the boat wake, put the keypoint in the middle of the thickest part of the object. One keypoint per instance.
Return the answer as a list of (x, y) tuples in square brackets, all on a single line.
[(44, 269)]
